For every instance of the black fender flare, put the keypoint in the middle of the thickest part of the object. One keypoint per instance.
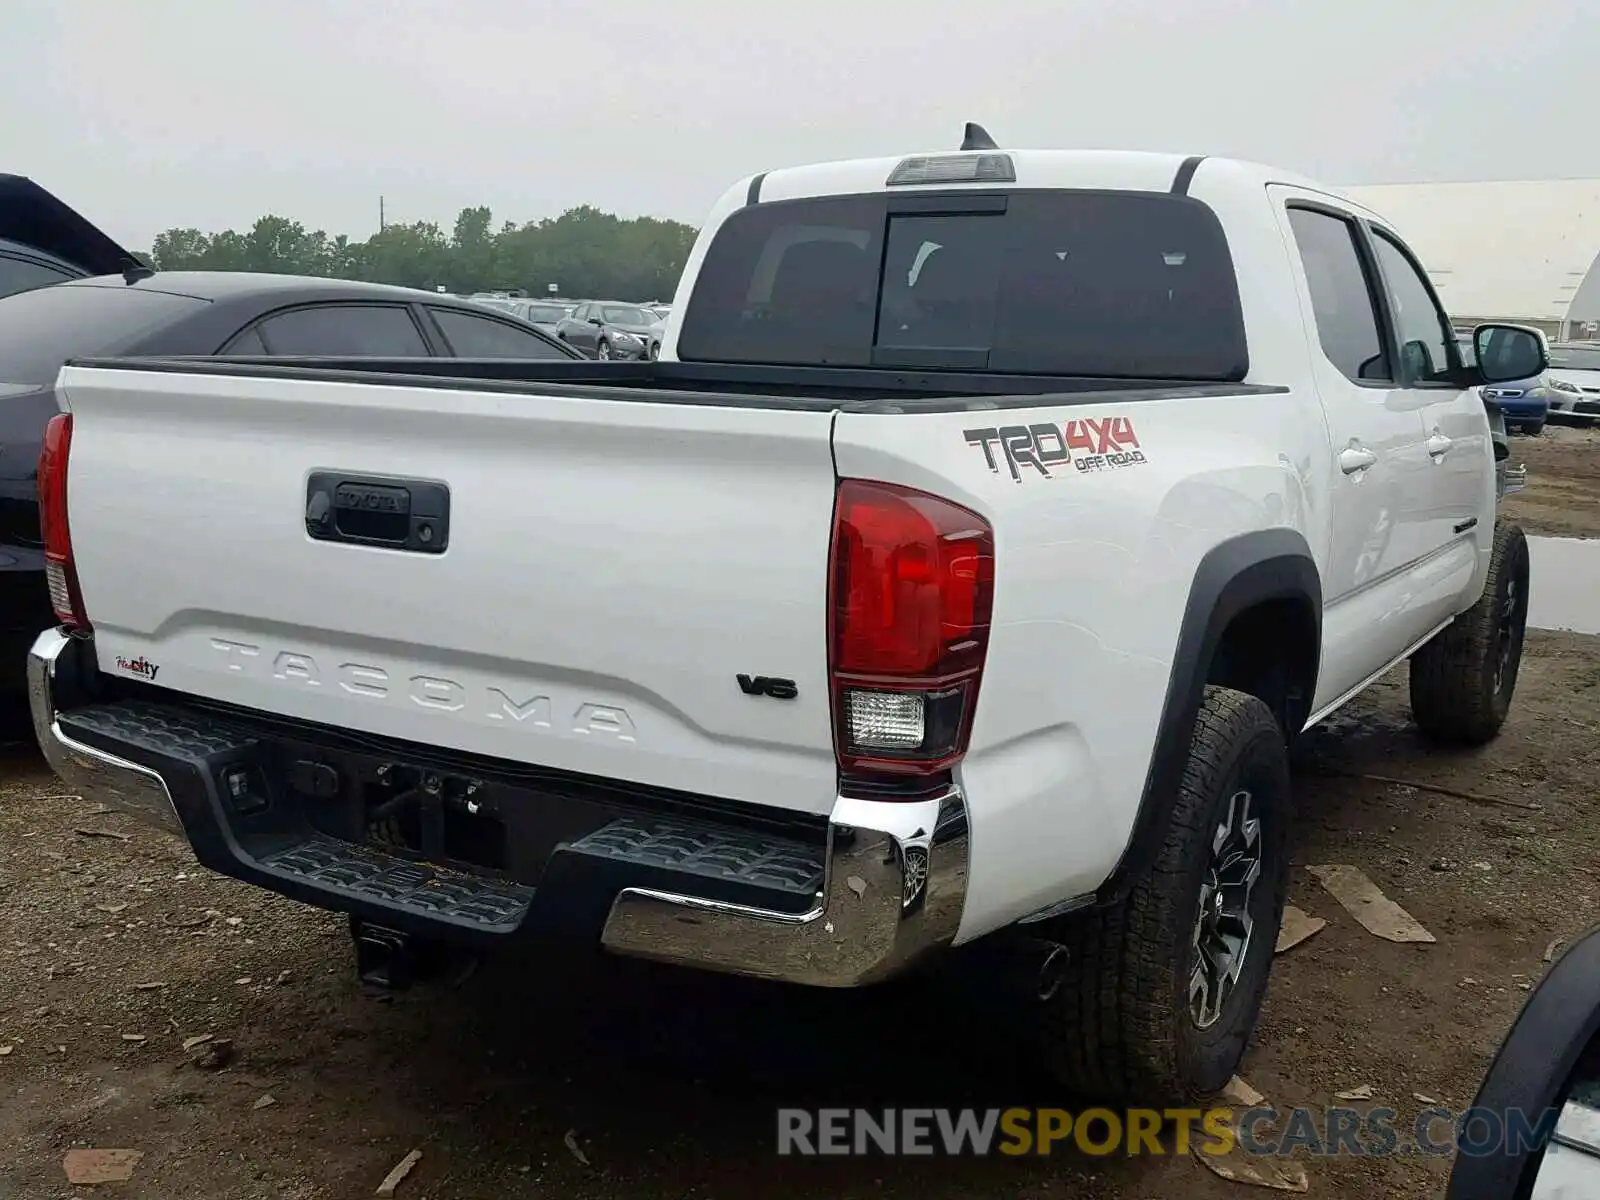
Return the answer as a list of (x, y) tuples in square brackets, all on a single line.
[(1233, 577), (1531, 1074)]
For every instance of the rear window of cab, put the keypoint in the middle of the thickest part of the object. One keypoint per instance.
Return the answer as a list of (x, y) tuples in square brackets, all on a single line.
[(1092, 283)]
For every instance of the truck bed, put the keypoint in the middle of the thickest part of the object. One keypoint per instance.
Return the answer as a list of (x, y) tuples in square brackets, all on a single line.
[(815, 389)]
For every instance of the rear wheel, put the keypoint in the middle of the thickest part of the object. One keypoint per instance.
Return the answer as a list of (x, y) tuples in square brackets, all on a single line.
[(1462, 680), (1158, 995)]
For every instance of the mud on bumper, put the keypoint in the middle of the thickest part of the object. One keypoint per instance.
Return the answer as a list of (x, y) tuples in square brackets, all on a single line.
[(852, 900)]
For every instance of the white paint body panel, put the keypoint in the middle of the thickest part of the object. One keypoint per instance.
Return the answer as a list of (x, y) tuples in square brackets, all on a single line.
[(603, 558), (635, 556)]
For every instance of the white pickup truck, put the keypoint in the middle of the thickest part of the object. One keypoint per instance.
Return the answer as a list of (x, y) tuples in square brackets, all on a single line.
[(989, 526)]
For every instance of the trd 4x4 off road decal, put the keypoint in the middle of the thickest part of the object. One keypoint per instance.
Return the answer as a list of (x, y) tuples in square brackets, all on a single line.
[(1086, 444)]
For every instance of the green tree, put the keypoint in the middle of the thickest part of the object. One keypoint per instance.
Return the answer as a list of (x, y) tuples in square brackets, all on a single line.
[(282, 246), (474, 252), (584, 251), (179, 249), (416, 255)]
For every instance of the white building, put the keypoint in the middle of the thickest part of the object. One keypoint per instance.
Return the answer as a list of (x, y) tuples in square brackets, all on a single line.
[(1512, 250)]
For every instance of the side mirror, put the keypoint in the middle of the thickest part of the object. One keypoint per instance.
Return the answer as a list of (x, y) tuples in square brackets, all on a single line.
[(1507, 352), (1416, 361), (596, 321), (1534, 1129)]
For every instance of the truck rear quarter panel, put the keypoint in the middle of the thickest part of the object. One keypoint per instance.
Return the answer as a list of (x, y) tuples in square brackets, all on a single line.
[(1095, 555)]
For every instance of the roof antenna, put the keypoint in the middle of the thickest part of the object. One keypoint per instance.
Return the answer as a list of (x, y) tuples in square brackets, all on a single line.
[(977, 138)]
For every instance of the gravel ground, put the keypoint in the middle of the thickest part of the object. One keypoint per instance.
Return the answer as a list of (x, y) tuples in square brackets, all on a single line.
[(576, 1076), (1563, 494), (115, 950)]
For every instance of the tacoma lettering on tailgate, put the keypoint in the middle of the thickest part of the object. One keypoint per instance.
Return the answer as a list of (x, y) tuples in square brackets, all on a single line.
[(1082, 444), (523, 707)]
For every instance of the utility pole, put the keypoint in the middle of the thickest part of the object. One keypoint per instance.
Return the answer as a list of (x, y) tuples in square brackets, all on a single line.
[(380, 214)]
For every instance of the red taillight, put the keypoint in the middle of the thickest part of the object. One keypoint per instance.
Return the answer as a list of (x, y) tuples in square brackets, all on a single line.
[(60, 573), (912, 587)]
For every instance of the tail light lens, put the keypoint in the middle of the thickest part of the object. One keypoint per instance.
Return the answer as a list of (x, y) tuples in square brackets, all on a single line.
[(912, 587), (60, 573)]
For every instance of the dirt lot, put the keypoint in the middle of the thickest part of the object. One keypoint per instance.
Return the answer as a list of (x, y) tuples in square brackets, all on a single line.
[(669, 1079), (1563, 495), (116, 949)]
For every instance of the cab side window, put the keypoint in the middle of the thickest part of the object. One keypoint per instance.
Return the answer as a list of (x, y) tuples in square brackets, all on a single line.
[(1421, 328), (1341, 301)]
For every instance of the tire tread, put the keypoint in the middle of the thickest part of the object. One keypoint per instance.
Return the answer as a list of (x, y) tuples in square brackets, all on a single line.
[(1452, 693), (1112, 1029)]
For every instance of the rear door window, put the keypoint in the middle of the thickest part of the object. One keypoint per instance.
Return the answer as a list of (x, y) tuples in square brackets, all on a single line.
[(1341, 298), (1114, 284), (472, 336), (344, 330)]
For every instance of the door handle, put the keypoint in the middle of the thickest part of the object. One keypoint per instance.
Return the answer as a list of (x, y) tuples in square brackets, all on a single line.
[(1353, 459), (1439, 445)]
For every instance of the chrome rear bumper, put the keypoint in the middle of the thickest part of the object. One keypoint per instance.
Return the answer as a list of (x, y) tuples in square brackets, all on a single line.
[(54, 683), (894, 873), (896, 881)]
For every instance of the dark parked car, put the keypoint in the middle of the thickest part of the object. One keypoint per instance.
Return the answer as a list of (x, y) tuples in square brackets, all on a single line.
[(612, 329), (196, 313), (42, 241)]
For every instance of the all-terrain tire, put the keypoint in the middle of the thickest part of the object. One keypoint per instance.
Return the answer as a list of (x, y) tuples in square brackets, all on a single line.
[(1118, 1025), (1463, 679)]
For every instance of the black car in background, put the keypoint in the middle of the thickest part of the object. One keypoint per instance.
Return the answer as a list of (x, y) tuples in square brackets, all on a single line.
[(612, 329), (42, 241), (174, 313)]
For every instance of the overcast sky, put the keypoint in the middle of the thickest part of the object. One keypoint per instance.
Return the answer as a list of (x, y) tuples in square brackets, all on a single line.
[(149, 114)]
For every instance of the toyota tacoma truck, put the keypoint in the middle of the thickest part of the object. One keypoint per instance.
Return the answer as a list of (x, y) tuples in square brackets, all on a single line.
[(990, 525)]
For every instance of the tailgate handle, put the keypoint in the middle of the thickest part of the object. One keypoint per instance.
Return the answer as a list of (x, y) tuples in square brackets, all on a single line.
[(378, 510)]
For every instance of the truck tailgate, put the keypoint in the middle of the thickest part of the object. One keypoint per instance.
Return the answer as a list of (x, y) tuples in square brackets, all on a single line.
[(611, 569)]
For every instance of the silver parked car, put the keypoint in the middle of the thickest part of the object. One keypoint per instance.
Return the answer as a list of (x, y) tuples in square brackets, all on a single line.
[(543, 313), (1574, 379)]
